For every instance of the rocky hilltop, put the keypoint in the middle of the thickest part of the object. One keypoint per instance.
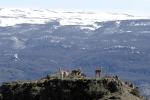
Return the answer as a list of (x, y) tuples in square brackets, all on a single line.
[(74, 86)]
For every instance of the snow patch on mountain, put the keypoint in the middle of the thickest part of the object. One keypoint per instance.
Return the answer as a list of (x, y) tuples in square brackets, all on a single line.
[(87, 28), (18, 44), (16, 57), (133, 49), (52, 39), (121, 47)]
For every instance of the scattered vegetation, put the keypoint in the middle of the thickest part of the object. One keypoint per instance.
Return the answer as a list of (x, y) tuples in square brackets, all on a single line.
[(65, 86)]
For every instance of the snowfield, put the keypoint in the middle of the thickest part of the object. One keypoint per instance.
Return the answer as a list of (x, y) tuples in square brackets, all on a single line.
[(12, 16)]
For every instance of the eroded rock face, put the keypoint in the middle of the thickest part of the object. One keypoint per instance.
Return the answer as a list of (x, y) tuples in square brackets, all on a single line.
[(66, 89)]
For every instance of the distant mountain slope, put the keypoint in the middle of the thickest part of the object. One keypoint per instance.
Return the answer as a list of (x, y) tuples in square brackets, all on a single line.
[(31, 50)]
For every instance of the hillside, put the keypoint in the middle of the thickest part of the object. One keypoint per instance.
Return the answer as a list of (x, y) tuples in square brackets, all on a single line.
[(54, 88)]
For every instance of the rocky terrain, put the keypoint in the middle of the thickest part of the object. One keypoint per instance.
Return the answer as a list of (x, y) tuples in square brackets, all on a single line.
[(54, 88)]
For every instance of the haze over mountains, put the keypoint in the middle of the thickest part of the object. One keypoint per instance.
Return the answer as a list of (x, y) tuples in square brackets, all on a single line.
[(36, 42)]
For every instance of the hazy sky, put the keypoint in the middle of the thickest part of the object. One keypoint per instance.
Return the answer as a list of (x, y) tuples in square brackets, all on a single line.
[(139, 7)]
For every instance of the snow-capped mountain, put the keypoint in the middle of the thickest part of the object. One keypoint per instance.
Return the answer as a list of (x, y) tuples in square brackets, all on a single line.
[(36, 42), (11, 16)]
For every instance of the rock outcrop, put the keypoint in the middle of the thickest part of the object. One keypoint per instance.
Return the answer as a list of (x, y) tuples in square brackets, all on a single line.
[(69, 89)]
